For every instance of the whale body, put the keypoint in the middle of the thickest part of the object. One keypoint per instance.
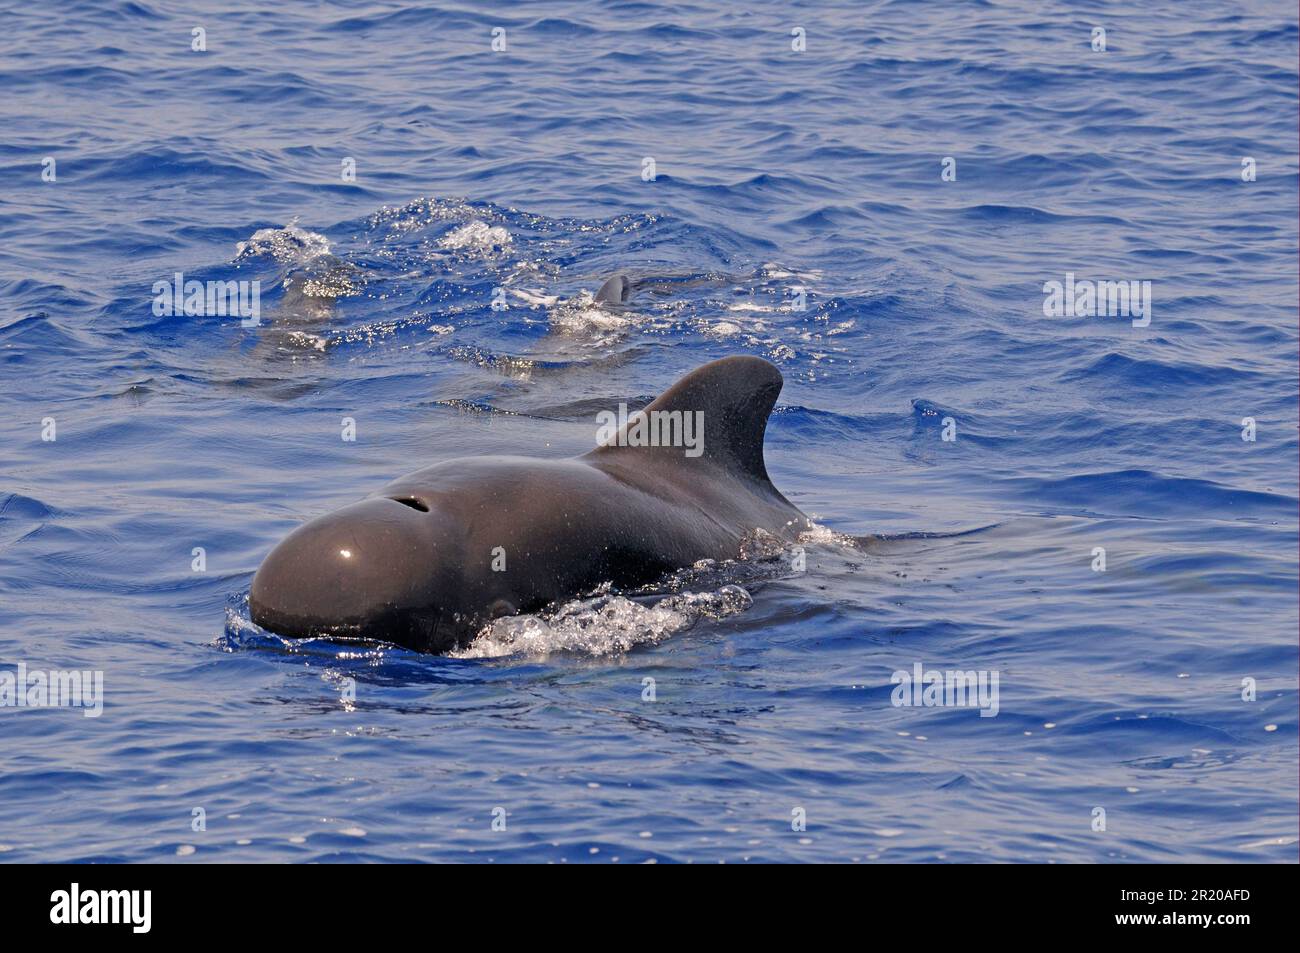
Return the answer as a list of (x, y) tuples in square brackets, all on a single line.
[(434, 556)]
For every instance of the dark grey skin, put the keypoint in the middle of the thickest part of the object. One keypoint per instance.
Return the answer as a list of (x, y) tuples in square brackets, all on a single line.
[(615, 290), (413, 563)]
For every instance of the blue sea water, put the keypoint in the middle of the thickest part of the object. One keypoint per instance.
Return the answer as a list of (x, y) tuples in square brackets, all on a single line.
[(777, 172)]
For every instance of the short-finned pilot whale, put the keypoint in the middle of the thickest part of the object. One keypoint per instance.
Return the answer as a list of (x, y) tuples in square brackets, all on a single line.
[(616, 290), (436, 555)]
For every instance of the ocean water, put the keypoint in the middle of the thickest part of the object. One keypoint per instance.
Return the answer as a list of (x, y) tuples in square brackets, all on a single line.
[(798, 211)]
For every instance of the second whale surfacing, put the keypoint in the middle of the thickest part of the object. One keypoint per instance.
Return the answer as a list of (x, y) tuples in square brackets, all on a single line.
[(434, 556)]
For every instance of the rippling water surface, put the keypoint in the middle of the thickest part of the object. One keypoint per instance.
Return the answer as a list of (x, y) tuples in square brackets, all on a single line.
[(775, 170)]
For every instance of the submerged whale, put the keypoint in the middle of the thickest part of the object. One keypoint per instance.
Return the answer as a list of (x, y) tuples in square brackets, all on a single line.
[(434, 556)]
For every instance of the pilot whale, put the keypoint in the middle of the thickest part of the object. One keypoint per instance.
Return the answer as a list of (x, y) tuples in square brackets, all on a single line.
[(434, 556), (616, 290)]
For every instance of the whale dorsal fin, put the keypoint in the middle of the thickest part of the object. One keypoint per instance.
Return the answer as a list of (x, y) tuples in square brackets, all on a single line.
[(735, 396), (615, 290)]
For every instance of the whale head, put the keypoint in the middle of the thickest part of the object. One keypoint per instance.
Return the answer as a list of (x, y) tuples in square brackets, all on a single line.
[(383, 568)]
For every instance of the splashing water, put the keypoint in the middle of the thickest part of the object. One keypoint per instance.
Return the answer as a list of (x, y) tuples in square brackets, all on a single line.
[(290, 245), (604, 625), (476, 237)]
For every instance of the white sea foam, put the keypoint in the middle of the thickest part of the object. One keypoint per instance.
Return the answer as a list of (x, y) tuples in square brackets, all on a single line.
[(772, 270), (535, 298), (475, 236), (303, 339), (592, 326), (604, 625), (290, 245)]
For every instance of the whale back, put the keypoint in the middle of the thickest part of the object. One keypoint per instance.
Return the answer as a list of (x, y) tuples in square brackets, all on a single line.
[(734, 397)]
